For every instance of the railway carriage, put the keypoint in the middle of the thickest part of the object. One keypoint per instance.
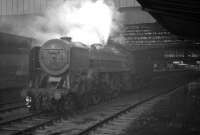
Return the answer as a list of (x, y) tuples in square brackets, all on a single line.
[(14, 61)]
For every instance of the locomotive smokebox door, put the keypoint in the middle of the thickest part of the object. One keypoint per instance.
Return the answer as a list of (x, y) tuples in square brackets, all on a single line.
[(54, 57)]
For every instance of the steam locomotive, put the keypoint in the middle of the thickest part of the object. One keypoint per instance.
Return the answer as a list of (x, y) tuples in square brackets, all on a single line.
[(67, 76)]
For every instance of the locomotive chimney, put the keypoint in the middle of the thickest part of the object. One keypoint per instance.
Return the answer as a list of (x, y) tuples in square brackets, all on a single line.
[(69, 39)]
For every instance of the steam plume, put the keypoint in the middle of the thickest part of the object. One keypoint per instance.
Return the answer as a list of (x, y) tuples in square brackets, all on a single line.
[(86, 21)]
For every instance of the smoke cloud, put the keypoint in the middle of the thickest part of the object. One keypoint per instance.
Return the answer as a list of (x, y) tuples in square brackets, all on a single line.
[(86, 21)]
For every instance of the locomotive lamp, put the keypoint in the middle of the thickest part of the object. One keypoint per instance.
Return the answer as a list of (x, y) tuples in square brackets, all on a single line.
[(28, 101)]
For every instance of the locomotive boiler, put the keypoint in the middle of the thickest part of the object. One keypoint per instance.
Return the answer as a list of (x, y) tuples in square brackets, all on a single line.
[(67, 76)]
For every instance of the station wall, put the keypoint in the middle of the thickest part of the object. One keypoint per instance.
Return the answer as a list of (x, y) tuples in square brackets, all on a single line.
[(20, 7), (136, 16), (126, 3)]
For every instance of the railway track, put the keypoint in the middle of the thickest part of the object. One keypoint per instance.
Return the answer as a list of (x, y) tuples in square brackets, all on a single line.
[(12, 106), (111, 120), (24, 124), (8, 103), (118, 122), (11, 110), (105, 118)]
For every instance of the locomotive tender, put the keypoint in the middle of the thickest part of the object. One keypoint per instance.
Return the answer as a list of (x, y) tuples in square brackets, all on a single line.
[(67, 76)]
